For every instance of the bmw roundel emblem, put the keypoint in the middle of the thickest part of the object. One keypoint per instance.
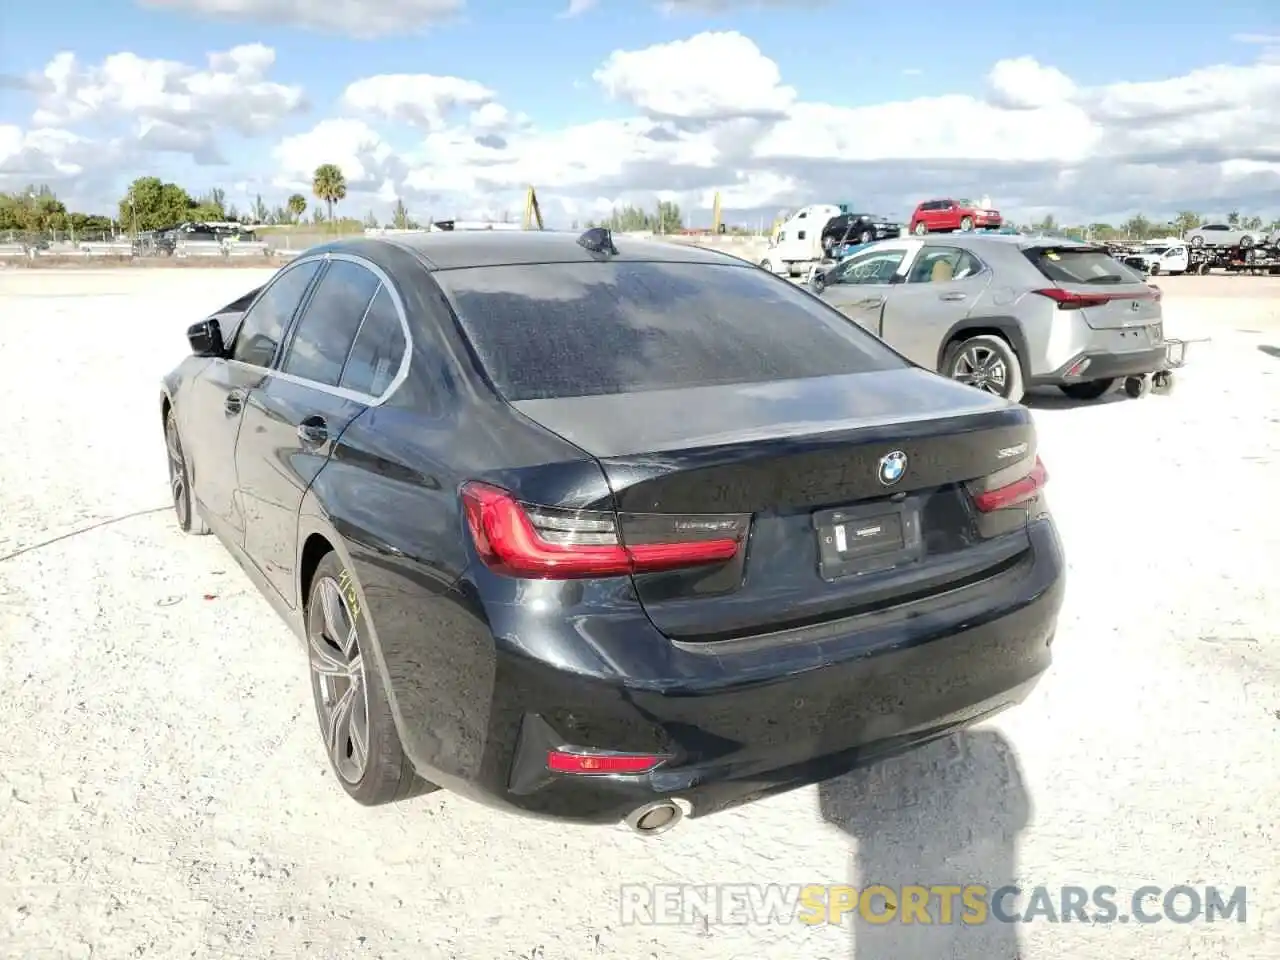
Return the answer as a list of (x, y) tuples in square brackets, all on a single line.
[(892, 467)]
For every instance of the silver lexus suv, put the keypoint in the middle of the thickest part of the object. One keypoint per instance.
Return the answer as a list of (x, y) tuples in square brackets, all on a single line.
[(1004, 312)]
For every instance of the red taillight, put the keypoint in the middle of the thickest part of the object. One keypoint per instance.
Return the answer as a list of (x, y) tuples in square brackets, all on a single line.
[(1066, 300), (534, 542), (1156, 292), (1022, 483), (589, 764)]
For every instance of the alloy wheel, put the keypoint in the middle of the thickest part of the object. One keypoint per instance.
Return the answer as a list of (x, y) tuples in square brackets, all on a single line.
[(337, 669), (177, 471), (982, 367)]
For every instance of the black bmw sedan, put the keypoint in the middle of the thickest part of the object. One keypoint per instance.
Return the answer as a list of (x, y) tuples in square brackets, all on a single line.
[(606, 530)]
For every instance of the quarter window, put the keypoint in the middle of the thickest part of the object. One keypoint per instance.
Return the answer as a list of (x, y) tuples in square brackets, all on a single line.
[(379, 348), (265, 323), (327, 328)]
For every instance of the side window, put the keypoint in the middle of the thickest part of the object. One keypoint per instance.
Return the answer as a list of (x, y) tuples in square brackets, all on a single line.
[(264, 325), (876, 266), (939, 264), (379, 348), (325, 331)]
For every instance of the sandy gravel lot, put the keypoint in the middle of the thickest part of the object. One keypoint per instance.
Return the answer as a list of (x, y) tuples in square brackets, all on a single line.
[(163, 792)]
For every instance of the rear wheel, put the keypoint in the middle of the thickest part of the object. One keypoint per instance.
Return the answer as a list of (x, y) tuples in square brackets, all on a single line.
[(1197, 241), (189, 520), (966, 224), (355, 718), (1089, 390), (988, 363), (921, 229), (865, 236), (766, 265), (1246, 242)]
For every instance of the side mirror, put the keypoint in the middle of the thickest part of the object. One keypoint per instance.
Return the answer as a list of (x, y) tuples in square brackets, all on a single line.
[(205, 338)]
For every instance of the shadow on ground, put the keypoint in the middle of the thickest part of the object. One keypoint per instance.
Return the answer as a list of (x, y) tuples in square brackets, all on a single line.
[(1051, 398), (1269, 350), (948, 813)]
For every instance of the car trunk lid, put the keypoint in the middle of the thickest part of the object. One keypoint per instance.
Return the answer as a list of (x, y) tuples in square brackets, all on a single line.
[(834, 530)]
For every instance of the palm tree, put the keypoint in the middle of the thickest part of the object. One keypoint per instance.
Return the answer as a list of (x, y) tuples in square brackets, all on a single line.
[(329, 185), (297, 206)]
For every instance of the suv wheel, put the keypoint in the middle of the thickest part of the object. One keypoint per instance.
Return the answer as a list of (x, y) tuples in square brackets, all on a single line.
[(1089, 390), (1246, 242), (966, 224), (865, 237), (988, 363), (921, 229)]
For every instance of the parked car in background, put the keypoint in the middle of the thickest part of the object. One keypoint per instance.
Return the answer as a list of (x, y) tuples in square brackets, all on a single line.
[(1154, 259), (940, 216), (1004, 312), (1224, 235), (857, 228), (727, 545)]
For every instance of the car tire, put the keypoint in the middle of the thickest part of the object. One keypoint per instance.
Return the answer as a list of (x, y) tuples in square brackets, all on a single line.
[(966, 224), (865, 237), (1197, 241), (356, 726), (1246, 242), (965, 358), (184, 504), (920, 229), (1155, 270), (1089, 390), (766, 265)]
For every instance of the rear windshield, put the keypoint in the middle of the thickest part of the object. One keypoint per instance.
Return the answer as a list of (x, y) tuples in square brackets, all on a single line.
[(587, 329), (1081, 265)]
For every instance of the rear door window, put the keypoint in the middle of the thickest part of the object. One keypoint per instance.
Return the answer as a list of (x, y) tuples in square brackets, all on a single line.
[(1080, 265), (327, 327), (587, 329)]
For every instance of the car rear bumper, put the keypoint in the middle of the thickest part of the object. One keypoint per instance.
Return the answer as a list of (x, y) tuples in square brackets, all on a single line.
[(767, 725), (987, 222), (1098, 365)]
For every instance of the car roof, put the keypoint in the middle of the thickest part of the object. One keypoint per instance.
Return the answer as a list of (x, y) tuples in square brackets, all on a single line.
[(979, 240), (456, 249)]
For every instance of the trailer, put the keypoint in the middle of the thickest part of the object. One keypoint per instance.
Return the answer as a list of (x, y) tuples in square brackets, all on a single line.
[(1259, 261)]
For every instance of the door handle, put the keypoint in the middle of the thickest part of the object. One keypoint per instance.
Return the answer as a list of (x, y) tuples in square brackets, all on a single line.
[(952, 296), (871, 302), (234, 403), (313, 431)]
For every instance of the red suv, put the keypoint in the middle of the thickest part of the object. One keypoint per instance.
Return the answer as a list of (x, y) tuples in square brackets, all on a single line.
[(939, 215)]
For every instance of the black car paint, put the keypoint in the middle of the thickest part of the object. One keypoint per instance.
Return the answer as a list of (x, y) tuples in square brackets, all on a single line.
[(484, 671)]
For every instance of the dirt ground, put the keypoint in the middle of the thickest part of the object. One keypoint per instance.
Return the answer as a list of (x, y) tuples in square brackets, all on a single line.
[(163, 792)]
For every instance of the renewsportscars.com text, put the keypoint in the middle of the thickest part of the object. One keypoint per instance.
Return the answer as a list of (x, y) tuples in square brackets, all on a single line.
[(938, 904)]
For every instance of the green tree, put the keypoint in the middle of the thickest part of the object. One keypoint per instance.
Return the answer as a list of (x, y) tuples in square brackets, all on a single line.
[(1186, 220), (400, 215), (259, 211), (1233, 218), (297, 205), (1136, 227), (151, 204), (329, 185), (370, 221)]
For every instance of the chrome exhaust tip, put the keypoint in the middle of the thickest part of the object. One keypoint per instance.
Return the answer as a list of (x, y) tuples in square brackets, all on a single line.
[(655, 818)]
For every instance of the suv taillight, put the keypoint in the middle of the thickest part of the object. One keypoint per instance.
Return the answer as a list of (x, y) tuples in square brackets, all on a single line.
[(549, 543), (1067, 300)]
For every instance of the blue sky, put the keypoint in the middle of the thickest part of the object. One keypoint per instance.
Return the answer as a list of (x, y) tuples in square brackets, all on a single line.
[(851, 54)]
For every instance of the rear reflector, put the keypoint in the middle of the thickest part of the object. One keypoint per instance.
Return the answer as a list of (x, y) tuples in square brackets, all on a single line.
[(1012, 487), (596, 764), (1067, 300), (535, 542)]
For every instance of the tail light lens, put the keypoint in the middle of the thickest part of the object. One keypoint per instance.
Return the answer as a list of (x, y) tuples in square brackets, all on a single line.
[(1067, 300), (590, 763), (1010, 487), (548, 543)]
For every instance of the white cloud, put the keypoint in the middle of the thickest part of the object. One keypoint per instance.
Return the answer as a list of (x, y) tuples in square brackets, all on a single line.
[(363, 19), (705, 114), (709, 76)]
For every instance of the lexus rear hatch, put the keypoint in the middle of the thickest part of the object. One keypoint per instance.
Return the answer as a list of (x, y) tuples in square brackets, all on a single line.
[(1107, 293)]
